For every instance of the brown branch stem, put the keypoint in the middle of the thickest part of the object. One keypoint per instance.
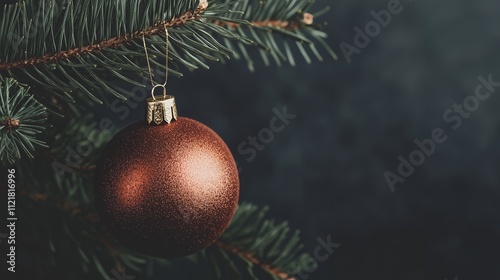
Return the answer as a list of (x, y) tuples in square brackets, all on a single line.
[(270, 23), (10, 124), (155, 29), (307, 19), (114, 42), (250, 257)]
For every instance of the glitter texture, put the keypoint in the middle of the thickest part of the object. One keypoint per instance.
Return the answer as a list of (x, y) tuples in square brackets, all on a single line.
[(168, 190)]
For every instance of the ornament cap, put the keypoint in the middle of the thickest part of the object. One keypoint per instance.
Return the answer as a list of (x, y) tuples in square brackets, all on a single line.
[(161, 108)]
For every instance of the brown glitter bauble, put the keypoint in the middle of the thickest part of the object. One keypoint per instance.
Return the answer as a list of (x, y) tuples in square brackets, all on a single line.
[(168, 190)]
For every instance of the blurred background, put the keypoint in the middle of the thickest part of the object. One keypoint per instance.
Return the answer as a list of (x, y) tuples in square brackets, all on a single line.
[(324, 173)]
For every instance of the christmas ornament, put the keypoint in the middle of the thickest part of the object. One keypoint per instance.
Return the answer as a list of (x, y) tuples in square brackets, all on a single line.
[(167, 187)]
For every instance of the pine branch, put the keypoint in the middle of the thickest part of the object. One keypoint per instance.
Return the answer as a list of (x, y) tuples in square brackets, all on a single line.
[(78, 49), (290, 20), (251, 258), (88, 49), (60, 45), (292, 25), (156, 29), (21, 119), (253, 240)]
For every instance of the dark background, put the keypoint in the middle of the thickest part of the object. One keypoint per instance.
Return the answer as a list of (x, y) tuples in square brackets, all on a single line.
[(325, 172)]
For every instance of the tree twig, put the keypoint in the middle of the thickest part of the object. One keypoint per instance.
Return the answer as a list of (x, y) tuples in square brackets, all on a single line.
[(251, 257), (307, 19)]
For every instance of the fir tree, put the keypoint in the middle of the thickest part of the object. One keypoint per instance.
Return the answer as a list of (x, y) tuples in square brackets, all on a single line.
[(60, 58)]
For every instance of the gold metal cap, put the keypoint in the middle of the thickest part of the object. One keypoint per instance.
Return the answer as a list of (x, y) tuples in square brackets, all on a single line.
[(161, 108)]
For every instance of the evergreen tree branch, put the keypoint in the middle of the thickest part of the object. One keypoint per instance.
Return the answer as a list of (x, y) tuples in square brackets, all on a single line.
[(277, 272), (270, 20), (85, 50), (21, 119), (84, 47), (79, 50), (253, 240), (292, 25), (156, 29)]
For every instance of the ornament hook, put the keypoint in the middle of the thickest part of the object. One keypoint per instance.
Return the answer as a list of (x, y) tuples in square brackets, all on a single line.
[(158, 86)]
